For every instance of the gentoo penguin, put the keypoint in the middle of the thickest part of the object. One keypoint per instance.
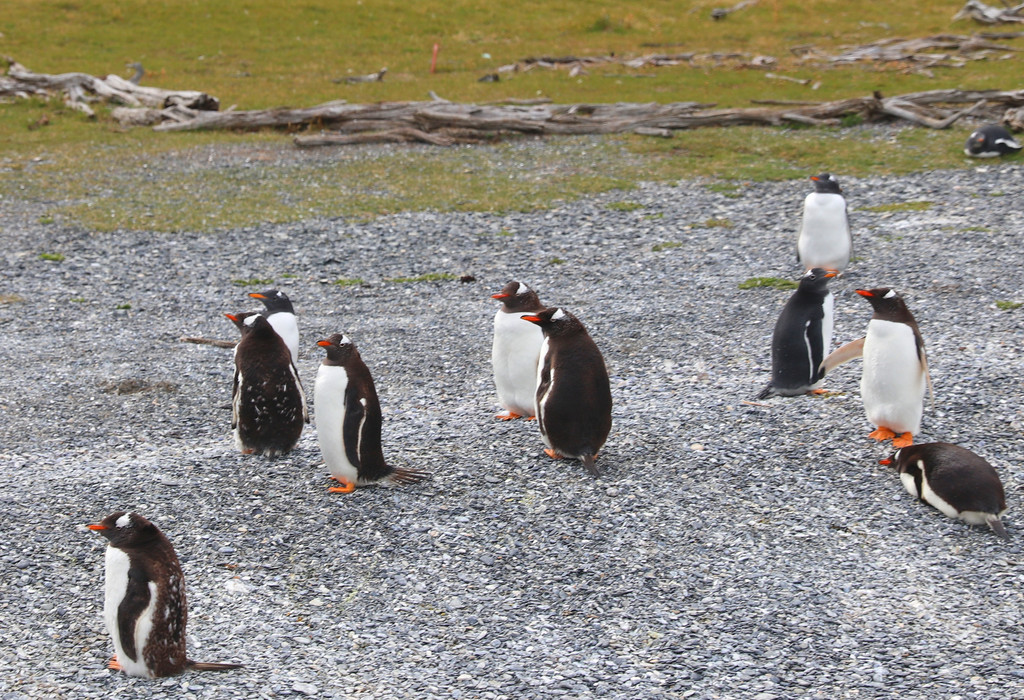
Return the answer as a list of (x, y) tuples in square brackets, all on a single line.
[(348, 421), (574, 400), (144, 604), (802, 336), (956, 481), (282, 318), (516, 350), (895, 367), (824, 239), (268, 405), (991, 141)]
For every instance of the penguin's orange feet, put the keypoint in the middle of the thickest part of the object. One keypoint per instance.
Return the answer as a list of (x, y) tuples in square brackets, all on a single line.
[(114, 665), (551, 453), (346, 486), (880, 433), (904, 440), (819, 392), (531, 418), (507, 415), (247, 450)]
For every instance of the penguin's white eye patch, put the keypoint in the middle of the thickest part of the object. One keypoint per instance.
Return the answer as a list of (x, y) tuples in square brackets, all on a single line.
[(558, 315), (890, 294), (345, 340), (249, 320), (124, 521), (523, 289)]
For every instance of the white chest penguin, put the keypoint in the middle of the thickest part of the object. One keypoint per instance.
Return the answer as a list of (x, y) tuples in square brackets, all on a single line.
[(348, 421), (281, 316), (954, 480), (895, 371), (515, 351), (802, 337), (144, 604), (991, 141), (824, 239)]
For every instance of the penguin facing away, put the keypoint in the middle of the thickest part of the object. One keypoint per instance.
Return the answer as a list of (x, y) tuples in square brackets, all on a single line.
[(144, 604), (348, 421), (802, 336), (954, 480), (281, 315), (895, 369), (824, 239), (991, 141), (574, 400), (516, 350), (268, 405)]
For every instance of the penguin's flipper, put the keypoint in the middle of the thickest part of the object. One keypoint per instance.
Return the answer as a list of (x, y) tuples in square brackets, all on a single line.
[(206, 666), (590, 462), (850, 351), (997, 526), (136, 599)]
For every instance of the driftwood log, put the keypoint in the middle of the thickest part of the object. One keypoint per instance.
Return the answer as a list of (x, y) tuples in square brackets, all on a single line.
[(987, 14), (81, 89)]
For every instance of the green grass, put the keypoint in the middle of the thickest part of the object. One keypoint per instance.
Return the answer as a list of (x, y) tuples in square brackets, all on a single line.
[(10, 299), (252, 282), (667, 245), (771, 282), (269, 53), (556, 261), (901, 206), (52, 257), (429, 277), (1009, 305), (717, 223), (349, 282), (625, 206)]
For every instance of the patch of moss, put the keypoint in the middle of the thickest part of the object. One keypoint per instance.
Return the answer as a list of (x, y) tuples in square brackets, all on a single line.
[(556, 261), (625, 206), (772, 282), (717, 223), (252, 282), (658, 247), (1009, 305), (921, 205), (348, 281), (54, 257)]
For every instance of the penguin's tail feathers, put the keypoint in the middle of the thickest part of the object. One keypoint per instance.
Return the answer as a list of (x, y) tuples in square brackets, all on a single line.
[(590, 462), (402, 476), (766, 393), (205, 666), (997, 526)]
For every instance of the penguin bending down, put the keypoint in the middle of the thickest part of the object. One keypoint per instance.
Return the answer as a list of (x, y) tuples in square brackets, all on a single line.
[(574, 400), (991, 141), (953, 480), (802, 336), (516, 350), (895, 368), (144, 604), (824, 239), (348, 421), (281, 316), (268, 405)]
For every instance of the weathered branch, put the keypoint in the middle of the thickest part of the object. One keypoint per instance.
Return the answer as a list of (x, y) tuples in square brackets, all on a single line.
[(209, 341), (986, 14)]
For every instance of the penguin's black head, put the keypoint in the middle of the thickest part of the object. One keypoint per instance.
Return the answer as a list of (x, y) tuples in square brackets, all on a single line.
[(826, 183), (883, 299), (125, 529), (339, 348), (555, 321), (892, 460), (239, 319), (817, 278), (275, 300), (516, 296)]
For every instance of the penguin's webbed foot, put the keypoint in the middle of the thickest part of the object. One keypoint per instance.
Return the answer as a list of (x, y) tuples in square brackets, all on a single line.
[(346, 486), (114, 664), (904, 440), (818, 392), (881, 433), (507, 415), (551, 453)]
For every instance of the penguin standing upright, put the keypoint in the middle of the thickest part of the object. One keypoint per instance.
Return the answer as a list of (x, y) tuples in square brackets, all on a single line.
[(895, 368), (824, 239), (516, 350), (954, 480), (281, 316), (268, 405), (991, 141), (144, 604), (348, 420), (802, 336), (574, 400)]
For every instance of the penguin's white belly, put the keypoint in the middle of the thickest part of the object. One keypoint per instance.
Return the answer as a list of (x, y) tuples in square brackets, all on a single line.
[(824, 239), (892, 384), (514, 357), (288, 328), (329, 411), (115, 586), (827, 321), (540, 400)]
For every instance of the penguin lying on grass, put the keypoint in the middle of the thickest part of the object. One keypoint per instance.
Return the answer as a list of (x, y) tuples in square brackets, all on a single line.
[(895, 368), (802, 336), (515, 351), (348, 421), (144, 604), (574, 400), (957, 482)]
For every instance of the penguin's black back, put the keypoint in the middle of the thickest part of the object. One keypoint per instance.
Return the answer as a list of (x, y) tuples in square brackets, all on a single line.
[(958, 476), (798, 346), (363, 422)]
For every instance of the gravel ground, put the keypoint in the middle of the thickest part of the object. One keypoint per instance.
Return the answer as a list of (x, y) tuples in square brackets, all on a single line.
[(730, 550)]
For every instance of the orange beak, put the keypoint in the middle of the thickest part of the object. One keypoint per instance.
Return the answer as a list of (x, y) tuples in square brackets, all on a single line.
[(256, 295), (832, 273), (323, 343), (885, 462), (232, 317), (531, 319), (499, 295), (96, 526), (864, 292)]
